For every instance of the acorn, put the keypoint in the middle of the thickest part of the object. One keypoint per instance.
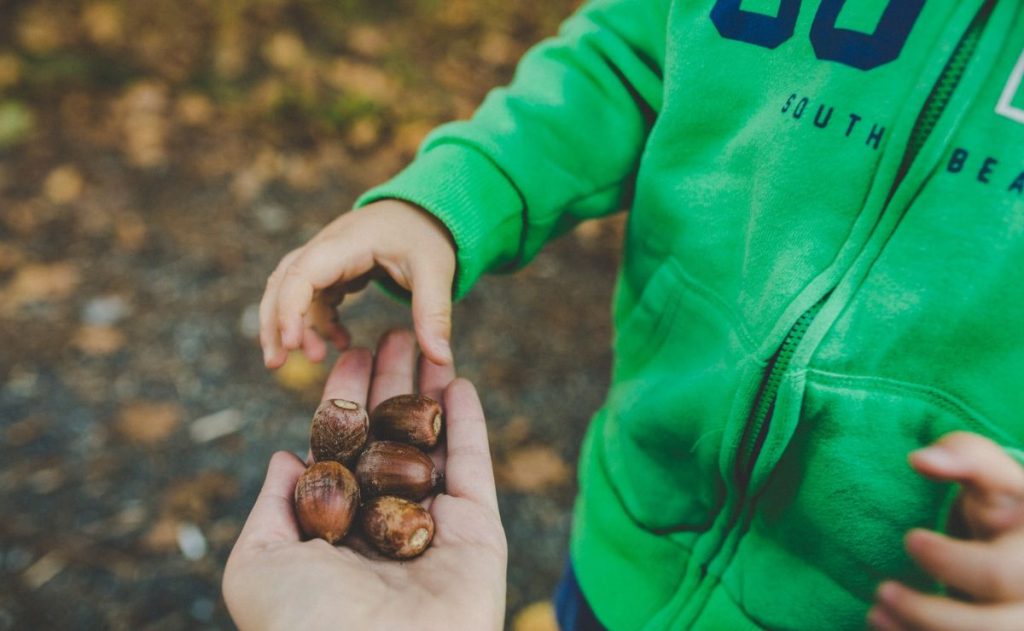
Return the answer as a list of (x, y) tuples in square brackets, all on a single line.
[(339, 430), (409, 418), (397, 527), (326, 501), (390, 468)]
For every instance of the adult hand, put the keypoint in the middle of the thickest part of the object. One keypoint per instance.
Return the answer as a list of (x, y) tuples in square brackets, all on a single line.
[(986, 567), (274, 580)]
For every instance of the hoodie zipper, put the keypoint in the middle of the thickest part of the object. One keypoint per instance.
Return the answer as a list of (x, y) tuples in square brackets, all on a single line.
[(764, 403)]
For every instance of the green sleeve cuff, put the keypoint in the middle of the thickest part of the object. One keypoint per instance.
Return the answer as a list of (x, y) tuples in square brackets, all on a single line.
[(470, 195)]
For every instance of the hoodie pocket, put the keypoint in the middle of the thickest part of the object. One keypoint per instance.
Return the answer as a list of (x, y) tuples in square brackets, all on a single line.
[(678, 359), (833, 512)]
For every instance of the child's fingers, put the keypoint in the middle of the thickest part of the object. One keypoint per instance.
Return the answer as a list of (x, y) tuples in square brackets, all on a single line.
[(323, 317), (993, 483), (971, 460), (915, 610), (990, 572), (432, 307), (322, 263), (313, 346), (274, 354)]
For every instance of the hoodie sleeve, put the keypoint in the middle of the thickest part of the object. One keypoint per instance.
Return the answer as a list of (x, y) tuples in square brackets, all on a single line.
[(559, 144)]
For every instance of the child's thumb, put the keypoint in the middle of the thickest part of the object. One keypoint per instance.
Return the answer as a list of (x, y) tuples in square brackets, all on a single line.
[(432, 309)]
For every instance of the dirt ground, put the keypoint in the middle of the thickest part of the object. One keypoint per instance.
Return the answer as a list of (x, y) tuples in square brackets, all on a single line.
[(156, 160)]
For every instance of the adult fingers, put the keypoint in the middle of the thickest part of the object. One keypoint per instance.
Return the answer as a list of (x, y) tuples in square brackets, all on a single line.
[(469, 473), (988, 571), (272, 518), (992, 500), (393, 367), (434, 378), (350, 377), (432, 306), (914, 610)]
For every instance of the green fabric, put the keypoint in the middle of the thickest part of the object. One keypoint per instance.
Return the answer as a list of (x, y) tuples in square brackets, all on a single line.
[(763, 182)]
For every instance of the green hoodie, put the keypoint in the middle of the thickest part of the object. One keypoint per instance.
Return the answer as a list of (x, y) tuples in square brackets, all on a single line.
[(823, 270)]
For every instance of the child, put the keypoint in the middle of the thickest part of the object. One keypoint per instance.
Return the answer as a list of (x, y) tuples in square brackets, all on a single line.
[(822, 273)]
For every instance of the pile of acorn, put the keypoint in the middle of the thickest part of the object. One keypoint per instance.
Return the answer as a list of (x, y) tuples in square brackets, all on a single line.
[(392, 473)]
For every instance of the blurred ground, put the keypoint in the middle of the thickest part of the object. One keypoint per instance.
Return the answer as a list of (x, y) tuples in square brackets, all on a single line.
[(156, 160)]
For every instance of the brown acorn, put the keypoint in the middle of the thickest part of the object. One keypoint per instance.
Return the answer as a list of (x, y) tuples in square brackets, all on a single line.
[(338, 431), (409, 418), (397, 527), (326, 501), (390, 468)]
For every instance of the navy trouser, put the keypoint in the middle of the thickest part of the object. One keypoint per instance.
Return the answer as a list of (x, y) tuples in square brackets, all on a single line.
[(571, 608)]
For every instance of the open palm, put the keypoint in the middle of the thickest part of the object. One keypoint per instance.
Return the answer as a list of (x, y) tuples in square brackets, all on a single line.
[(275, 580)]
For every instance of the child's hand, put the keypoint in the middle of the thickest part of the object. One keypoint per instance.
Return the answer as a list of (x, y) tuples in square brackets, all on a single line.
[(389, 237), (988, 567)]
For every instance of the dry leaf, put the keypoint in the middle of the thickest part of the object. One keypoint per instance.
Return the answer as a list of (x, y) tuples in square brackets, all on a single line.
[(367, 40), (532, 469), (193, 499), (162, 536), (63, 185), (142, 110), (498, 48), (38, 283), (25, 431), (363, 134), (11, 256), (194, 109), (38, 30), (539, 616), (285, 51), (103, 23), (130, 231), (230, 56), (513, 433), (40, 572), (10, 71), (300, 374), (98, 340), (409, 136), (360, 78), (148, 422)]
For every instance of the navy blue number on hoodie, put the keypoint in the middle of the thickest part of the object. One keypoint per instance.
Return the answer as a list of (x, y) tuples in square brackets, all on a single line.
[(852, 48)]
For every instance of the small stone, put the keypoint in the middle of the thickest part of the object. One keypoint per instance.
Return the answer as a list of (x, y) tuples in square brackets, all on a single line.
[(272, 218), (202, 609), (191, 541), (105, 310), (249, 322), (17, 559), (214, 426), (42, 571), (46, 481)]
